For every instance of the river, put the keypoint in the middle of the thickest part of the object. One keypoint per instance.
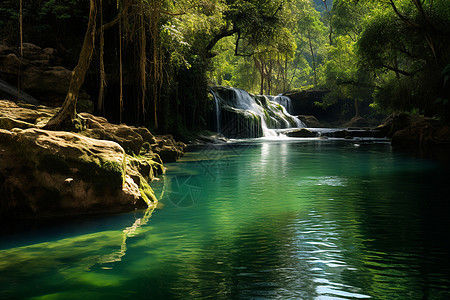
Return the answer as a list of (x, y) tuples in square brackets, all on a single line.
[(255, 219)]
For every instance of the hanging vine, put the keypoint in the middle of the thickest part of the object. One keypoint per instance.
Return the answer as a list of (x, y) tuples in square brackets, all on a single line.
[(156, 57), (120, 72), (142, 60), (20, 48)]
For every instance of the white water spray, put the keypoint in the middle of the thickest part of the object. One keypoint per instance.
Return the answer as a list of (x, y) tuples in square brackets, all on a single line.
[(273, 111)]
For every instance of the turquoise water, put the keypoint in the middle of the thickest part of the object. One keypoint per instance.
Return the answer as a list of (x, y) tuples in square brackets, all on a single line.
[(287, 219)]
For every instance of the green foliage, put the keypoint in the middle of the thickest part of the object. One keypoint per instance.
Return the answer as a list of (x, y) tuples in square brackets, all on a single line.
[(406, 47), (173, 41), (62, 9), (390, 53)]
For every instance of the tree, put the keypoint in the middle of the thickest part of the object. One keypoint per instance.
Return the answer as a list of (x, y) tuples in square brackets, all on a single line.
[(406, 44), (343, 75), (254, 23), (64, 119), (311, 31)]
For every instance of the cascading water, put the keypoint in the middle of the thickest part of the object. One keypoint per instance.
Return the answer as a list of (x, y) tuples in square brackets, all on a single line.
[(283, 100), (240, 114), (217, 107)]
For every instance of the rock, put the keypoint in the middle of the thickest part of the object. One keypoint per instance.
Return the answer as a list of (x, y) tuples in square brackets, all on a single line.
[(211, 138), (310, 121), (10, 92), (413, 130), (304, 103), (50, 173), (26, 113), (9, 123), (302, 133), (42, 75), (133, 139), (341, 134), (422, 132), (99, 128), (357, 122), (396, 122), (168, 149), (238, 123)]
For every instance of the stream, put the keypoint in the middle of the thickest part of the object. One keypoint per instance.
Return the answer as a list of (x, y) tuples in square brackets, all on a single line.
[(254, 219)]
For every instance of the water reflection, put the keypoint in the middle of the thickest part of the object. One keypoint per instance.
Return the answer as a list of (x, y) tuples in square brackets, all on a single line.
[(274, 219)]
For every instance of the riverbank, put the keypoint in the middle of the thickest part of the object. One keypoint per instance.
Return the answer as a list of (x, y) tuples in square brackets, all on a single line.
[(104, 168)]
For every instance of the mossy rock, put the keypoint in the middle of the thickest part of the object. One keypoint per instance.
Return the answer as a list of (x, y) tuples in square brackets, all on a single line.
[(301, 133), (9, 123)]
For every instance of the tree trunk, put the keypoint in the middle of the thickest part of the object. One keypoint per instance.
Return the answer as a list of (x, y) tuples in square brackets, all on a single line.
[(356, 108), (101, 90), (330, 33), (313, 59), (64, 119), (19, 83)]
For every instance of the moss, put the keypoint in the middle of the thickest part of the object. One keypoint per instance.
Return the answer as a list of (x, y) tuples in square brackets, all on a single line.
[(146, 147), (77, 125), (266, 116), (8, 124), (147, 192), (101, 172), (158, 168)]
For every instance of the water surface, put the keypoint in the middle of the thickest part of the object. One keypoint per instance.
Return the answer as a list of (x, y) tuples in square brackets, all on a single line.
[(289, 219)]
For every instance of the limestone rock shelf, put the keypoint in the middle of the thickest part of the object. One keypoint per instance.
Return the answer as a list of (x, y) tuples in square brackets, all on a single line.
[(106, 168)]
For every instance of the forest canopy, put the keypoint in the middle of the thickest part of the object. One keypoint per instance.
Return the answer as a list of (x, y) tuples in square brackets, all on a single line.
[(393, 55)]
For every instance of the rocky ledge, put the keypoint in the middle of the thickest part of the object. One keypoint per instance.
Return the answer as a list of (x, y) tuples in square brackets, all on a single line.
[(105, 168), (407, 130), (404, 130)]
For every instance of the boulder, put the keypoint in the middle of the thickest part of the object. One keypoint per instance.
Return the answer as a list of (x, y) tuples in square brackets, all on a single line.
[(29, 114), (414, 130), (395, 122), (135, 140), (357, 122), (50, 173), (302, 133), (41, 75), (422, 132), (168, 149), (310, 121), (106, 168), (341, 134)]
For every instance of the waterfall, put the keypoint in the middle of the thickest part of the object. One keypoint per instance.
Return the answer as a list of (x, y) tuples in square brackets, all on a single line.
[(217, 107), (285, 101), (240, 114)]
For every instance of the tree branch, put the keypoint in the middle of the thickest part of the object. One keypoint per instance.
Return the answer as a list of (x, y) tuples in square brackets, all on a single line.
[(222, 34), (236, 48), (394, 69), (114, 21), (402, 17)]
